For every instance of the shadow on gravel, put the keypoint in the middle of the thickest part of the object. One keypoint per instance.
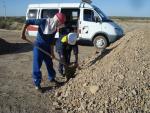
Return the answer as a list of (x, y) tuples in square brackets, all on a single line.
[(50, 88), (46, 89), (10, 48), (85, 43), (100, 56), (70, 71)]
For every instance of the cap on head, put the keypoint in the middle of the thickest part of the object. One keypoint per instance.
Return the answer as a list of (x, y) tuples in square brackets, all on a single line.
[(61, 17), (72, 38)]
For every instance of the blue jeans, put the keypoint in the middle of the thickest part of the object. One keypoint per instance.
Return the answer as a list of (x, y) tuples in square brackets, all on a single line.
[(38, 58)]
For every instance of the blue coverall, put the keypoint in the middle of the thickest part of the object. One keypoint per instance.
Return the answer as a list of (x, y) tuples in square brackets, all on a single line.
[(43, 41)]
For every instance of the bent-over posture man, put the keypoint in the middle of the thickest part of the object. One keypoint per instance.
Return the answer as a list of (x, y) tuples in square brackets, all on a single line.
[(44, 40)]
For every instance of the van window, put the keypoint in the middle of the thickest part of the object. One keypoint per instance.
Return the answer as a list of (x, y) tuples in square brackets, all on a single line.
[(91, 16), (96, 17), (72, 16), (103, 16), (49, 13), (32, 14)]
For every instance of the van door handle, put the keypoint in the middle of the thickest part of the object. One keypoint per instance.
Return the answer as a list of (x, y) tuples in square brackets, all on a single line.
[(85, 29)]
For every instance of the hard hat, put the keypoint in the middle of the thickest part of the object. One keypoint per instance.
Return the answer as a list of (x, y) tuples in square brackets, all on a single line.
[(61, 17), (72, 38)]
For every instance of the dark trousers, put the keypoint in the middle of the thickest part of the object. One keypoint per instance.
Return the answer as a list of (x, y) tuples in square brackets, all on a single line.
[(65, 57)]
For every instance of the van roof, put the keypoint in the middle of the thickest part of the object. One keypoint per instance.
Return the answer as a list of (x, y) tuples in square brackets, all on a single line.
[(58, 5)]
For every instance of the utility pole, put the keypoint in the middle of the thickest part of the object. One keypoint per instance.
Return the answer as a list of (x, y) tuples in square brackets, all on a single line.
[(4, 6)]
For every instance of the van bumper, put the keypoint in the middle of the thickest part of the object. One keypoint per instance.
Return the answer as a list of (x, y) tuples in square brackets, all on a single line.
[(113, 38)]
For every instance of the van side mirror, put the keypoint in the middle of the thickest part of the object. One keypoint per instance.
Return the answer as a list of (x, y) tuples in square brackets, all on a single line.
[(97, 19)]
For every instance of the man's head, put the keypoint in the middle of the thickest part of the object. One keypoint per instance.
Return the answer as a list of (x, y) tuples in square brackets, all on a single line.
[(60, 19)]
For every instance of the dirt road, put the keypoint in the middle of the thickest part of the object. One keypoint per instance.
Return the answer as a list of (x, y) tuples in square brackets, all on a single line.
[(17, 94)]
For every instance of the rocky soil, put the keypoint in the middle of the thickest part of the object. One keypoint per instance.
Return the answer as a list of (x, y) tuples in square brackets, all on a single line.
[(116, 81)]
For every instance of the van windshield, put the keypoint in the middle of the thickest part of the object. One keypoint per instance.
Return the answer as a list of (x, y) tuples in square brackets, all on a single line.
[(103, 16)]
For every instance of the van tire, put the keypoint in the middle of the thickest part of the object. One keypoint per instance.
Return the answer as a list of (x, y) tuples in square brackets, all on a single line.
[(100, 42)]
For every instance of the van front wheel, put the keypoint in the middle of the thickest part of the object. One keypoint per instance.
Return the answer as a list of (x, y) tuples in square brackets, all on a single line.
[(100, 42)]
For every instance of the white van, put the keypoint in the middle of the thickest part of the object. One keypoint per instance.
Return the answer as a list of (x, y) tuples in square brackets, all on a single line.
[(93, 25)]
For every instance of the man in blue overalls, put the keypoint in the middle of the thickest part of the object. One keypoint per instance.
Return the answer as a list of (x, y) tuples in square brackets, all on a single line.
[(45, 38)]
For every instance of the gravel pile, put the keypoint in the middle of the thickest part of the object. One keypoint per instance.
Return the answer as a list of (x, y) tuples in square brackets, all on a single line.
[(118, 81)]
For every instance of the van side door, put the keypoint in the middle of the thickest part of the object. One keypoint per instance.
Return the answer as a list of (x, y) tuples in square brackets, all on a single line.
[(45, 13), (38, 14), (72, 16), (89, 24)]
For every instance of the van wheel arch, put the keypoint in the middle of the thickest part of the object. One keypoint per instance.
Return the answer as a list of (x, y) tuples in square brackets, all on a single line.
[(103, 38)]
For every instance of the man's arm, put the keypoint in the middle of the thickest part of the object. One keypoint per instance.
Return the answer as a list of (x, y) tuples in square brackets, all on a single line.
[(30, 22)]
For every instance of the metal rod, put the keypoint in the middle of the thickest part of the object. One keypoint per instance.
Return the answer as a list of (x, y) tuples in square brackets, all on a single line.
[(30, 42), (4, 5)]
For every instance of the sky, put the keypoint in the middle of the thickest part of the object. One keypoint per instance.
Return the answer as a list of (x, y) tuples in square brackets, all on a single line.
[(133, 8)]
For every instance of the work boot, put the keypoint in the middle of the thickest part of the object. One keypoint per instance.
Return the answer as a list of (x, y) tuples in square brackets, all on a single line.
[(38, 88), (61, 72), (53, 81)]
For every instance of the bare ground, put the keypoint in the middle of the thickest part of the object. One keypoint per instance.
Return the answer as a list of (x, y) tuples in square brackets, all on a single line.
[(116, 82)]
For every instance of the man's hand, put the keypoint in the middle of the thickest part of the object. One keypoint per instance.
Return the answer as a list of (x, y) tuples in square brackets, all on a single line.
[(23, 37), (53, 56), (76, 64)]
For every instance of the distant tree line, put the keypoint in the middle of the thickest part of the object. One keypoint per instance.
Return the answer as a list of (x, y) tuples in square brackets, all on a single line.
[(15, 23), (129, 18), (11, 23)]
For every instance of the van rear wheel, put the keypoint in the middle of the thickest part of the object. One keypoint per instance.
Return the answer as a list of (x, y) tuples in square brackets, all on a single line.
[(100, 42)]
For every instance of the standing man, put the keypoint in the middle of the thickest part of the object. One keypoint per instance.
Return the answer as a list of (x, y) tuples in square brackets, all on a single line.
[(44, 40)]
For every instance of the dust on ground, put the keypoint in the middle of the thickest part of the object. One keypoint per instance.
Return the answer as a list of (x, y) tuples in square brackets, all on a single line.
[(116, 81)]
